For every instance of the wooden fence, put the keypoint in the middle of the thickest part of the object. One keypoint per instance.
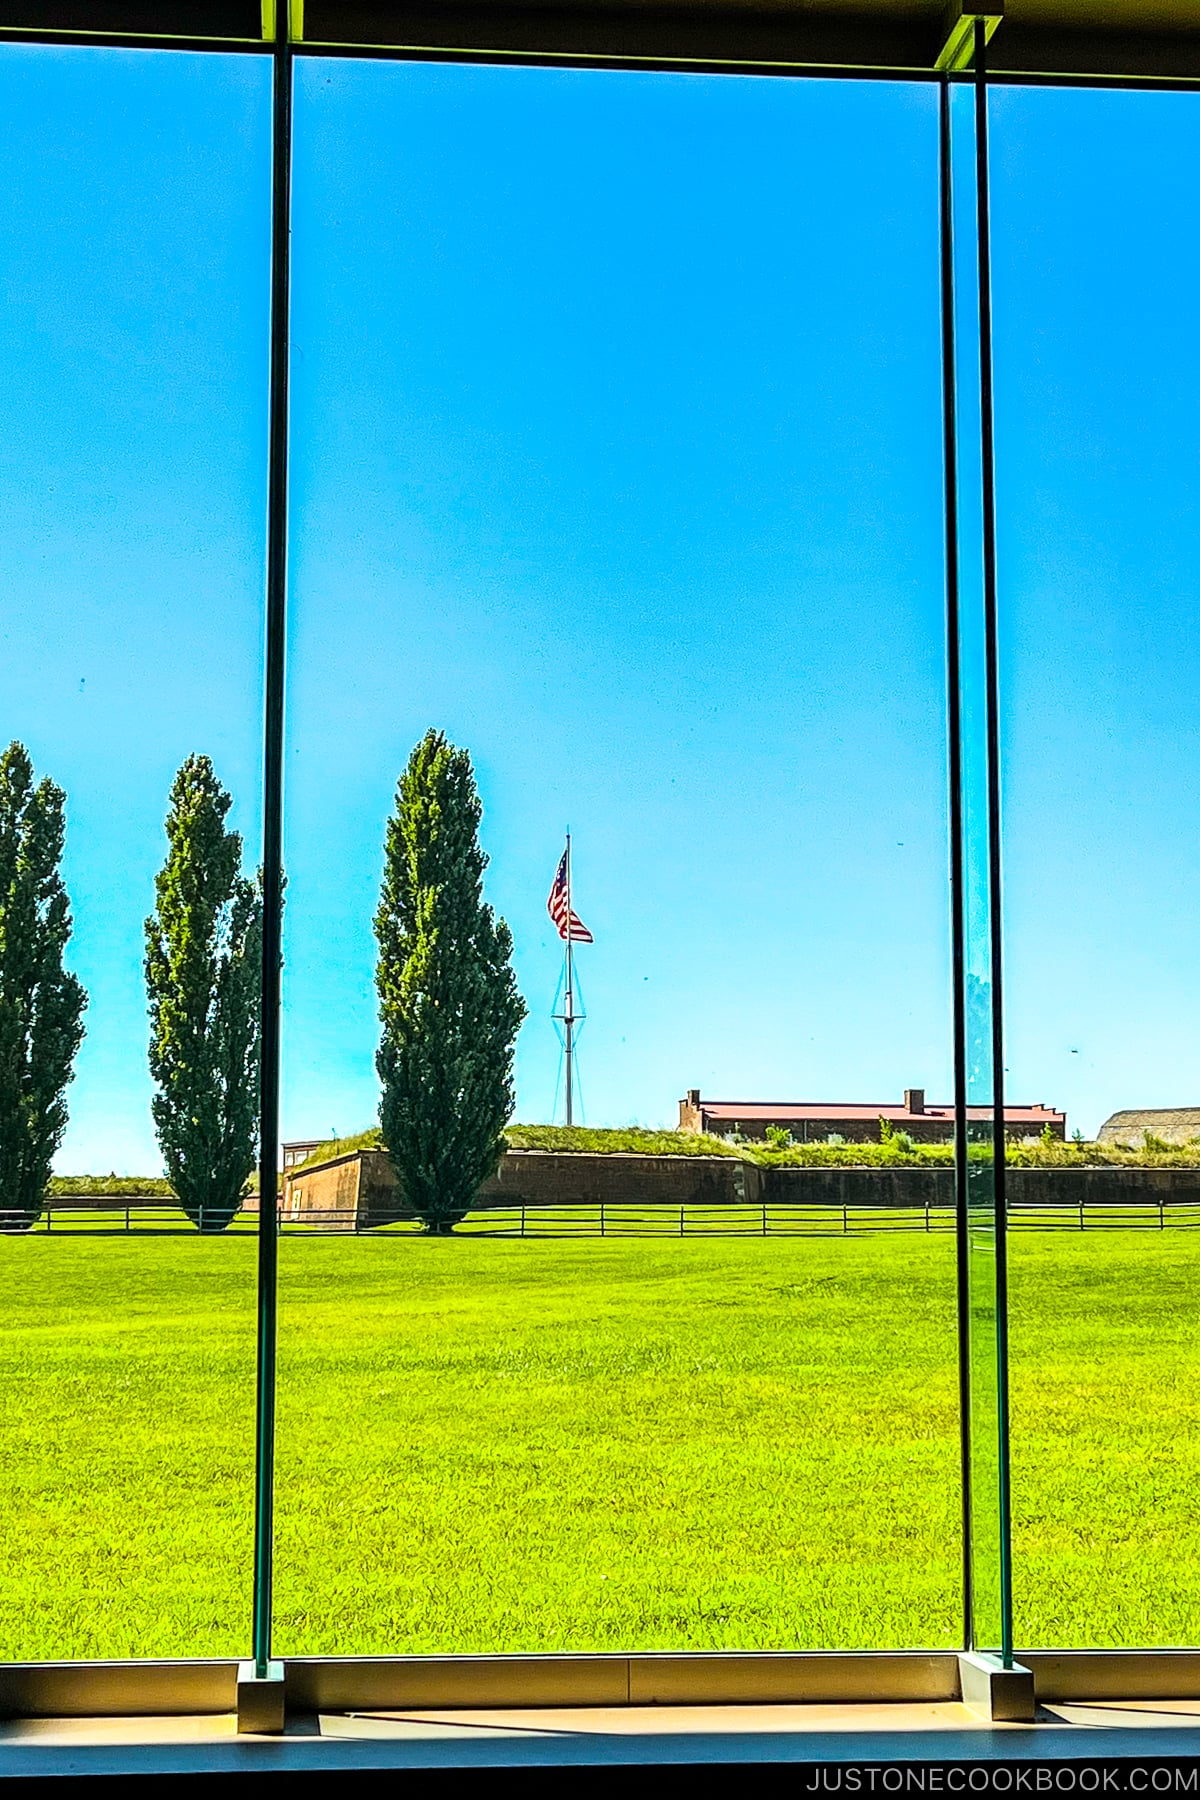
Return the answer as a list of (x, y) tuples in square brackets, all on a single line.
[(134, 1216)]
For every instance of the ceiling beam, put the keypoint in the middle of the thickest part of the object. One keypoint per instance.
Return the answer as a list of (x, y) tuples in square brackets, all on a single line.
[(1052, 40)]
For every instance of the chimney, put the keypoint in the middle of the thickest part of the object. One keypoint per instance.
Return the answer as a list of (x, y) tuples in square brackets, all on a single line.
[(691, 1114), (914, 1100)]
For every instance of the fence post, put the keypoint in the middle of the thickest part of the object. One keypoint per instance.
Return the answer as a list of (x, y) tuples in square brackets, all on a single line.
[(522, 1218), (764, 1218), (927, 1225), (49, 1210), (602, 1218), (1081, 1212), (845, 1219), (127, 1216), (1162, 1218), (681, 1221)]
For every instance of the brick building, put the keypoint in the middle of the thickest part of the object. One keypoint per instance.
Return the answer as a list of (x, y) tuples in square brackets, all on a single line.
[(299, 1149), (816, 1121)]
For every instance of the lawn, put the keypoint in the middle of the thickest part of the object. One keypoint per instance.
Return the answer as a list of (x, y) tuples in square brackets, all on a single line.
[(571, 1444)]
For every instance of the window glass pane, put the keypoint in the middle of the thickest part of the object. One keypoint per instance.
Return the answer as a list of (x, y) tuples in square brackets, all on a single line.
[(134, 214), (984, 1410), (1098, 381), (617, 457)]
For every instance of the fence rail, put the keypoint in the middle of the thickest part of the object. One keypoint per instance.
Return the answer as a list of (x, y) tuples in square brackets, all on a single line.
[(133, 1217)]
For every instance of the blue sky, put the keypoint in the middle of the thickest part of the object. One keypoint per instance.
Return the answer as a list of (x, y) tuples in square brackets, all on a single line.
[(1098, 382), (616, 453)]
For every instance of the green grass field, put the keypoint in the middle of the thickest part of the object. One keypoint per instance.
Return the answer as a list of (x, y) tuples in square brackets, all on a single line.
[(571, 1444)]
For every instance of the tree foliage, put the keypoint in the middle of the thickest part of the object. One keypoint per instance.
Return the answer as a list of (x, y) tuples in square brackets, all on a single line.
[(41, 1005), (203, 983), (448, 999)]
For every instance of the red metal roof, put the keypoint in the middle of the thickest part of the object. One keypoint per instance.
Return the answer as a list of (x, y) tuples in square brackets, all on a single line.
[(838, 1109)]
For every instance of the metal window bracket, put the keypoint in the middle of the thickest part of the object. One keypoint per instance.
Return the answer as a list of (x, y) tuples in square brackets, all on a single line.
[(1000, 1692), (958, 34), (260, 1699), (295, 11)]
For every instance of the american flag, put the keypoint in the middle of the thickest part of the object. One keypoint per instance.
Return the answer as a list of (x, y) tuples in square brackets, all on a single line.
[(570, 926)]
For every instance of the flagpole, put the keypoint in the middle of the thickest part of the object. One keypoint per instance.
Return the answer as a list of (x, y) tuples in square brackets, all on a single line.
[(569, 1002)]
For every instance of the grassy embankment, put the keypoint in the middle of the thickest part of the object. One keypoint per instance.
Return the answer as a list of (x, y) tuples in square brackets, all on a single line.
[(600, 1443), (895, 1154), (109, 1187)]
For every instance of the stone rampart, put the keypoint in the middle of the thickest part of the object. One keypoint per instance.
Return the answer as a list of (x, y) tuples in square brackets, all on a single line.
[(360, 1190), (574, 1178)]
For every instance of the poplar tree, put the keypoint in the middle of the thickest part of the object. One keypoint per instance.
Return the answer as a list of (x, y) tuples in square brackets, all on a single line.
[(41, 1005), (203, 983), (448, 1000)]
